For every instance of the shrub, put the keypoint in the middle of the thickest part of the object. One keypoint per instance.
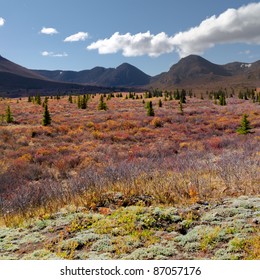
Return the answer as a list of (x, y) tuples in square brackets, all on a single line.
[(156, 122)]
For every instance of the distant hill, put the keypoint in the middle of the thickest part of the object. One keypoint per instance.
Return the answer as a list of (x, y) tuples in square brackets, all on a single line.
[(197, 72), (192, 67), (16, 80), (192, 71), (124, 75), (6, 66)]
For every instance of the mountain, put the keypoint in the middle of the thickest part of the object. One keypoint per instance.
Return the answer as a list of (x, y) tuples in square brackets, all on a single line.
[(6, 66), (192, 71), (16, 80), (197, 72), (125, 75)]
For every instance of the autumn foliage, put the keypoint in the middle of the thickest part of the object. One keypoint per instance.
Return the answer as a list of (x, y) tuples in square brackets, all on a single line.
[(87, 157)]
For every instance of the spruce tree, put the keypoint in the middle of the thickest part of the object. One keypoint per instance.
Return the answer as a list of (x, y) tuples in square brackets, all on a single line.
[(38, 100), (183, 96), (84, 101), (149, 108), (8, 116), (45, 102), (181, 107), (245, 127), (222, 99), (160, 103), (102, 105), (79, 101), (46, 116), (176, 95)]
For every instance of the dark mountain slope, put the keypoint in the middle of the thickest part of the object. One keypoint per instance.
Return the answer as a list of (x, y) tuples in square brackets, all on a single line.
[(190, 68), (124, 75), (16, 80), (6, 66)]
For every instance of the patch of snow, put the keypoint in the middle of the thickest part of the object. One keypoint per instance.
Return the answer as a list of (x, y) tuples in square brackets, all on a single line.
[(246, 65)]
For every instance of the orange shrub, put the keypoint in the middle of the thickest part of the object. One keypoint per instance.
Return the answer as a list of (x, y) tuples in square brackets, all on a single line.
[(156, 122)]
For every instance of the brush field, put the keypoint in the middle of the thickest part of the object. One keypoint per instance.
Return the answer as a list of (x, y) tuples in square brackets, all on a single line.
[(117, 183)]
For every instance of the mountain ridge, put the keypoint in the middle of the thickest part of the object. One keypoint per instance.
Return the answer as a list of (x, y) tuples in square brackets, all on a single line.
[(192, 71), (16, 81), (123, 75)]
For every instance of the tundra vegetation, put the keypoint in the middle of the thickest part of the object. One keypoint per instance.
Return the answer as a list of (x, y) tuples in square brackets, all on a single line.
[(116, 181)]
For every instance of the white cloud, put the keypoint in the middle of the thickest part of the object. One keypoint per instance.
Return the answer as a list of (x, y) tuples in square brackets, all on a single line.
[(135, 45), (2, 21), (49, 31), (240, 25), (245, 52), (80, 36), (52, 54), (232, 26)]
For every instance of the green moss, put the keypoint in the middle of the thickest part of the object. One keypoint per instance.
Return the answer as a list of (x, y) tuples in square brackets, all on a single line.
[(103, 245), (192, 246), (8, 246), (210, 238), (236, 245), (41, 254), (152, 252), (193, 235), (96, 256), (222, 254), (30, 238)]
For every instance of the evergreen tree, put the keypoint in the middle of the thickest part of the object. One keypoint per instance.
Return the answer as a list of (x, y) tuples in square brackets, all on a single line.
[(84, 102), (240, 95), (222, 100), (181, 107), (245, 127), (46, 116), (176, 95), (183, 96), (38, 100), (29, 99), (2, 117), (79, 101), (8, 116), (45, 102), (102, 105), (149, 108), (70, 99), (160, 103)]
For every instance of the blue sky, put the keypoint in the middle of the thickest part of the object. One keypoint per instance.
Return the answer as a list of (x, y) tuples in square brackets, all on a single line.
[(151, 35)]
